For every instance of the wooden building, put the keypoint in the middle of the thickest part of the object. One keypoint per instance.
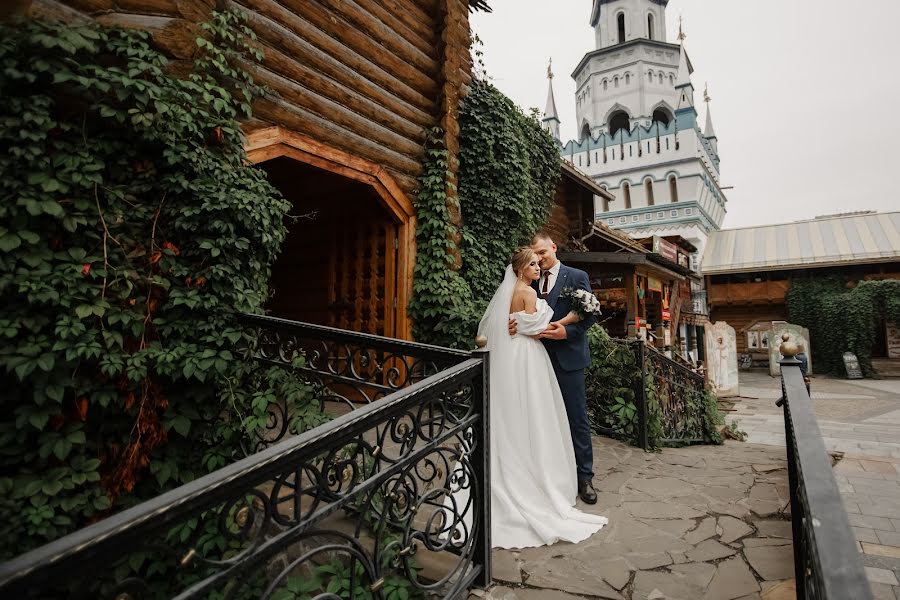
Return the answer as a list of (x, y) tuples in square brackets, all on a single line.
[(640, 288), (748, 271), (354, 87)]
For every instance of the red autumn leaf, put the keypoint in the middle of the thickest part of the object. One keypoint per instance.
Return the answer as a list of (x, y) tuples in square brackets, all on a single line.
[(85, 269), (155, 257), (188, 281), (81, 407), (129, 400), (131, 302), (172, 247), (200, 281)]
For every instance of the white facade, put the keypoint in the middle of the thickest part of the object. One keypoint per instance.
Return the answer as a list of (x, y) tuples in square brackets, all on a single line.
[(639, 132)]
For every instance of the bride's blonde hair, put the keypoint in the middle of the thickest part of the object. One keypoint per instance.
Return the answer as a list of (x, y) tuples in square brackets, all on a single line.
[(520, 259)]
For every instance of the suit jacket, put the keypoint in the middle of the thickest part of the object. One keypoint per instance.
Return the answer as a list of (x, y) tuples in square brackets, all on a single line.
[(572, 353)]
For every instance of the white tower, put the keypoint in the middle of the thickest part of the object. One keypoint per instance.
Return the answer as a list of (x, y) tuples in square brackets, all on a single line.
[(638, 130)]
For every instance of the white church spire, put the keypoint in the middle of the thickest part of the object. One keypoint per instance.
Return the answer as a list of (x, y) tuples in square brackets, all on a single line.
[(708, 131), (683, 83), (551, 117)]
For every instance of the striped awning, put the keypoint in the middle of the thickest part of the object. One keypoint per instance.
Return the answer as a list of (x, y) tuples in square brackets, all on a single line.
[(828, 241)]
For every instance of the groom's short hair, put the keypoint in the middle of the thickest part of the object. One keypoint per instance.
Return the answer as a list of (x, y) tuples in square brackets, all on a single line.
[(541, 236)]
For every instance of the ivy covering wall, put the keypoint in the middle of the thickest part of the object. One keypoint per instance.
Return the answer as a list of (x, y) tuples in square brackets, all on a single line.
[(841, 318), (131, 231), (508, 171)]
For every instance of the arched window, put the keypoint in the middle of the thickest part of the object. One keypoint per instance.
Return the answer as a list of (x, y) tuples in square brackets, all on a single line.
[(660, 79), (648, 185), (605, 84), (619, 120), (627, 78), (585, 132), (671, 79), (650, 76), (620, 20), (673, 188), (662, 117), (650, 26), (616, 81), (626, 193)]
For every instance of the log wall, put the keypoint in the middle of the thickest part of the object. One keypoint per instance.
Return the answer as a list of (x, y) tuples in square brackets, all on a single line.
[(369, 77)]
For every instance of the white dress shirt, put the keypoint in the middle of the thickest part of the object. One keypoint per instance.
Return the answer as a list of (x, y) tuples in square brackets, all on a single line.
[(554, 275)]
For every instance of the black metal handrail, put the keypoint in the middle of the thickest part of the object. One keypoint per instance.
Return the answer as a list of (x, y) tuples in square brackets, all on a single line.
[(827, 564), (368, 491)]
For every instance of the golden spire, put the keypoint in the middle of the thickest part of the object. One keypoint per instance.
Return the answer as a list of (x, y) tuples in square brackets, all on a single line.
[(550, 69), (681, 33)]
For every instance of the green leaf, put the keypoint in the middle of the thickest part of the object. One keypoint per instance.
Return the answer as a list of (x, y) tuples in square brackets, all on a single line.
[(182, 425), (51, 488), (84, 310), (9, 242)]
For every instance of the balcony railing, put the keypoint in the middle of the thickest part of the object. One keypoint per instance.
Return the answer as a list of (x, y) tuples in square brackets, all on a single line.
[(393, 494), (827, 563), (675, 391)]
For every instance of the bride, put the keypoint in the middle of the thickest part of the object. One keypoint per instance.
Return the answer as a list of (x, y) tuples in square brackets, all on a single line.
[(533, 480)]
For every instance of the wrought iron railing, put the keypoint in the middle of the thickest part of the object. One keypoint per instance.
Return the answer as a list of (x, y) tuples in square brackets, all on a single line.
[(679, 395), (827, 563), (390, 495), (666, 392), (352, 369)]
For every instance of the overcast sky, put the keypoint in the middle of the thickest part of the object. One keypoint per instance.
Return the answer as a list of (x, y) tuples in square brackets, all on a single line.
[(804, 92)]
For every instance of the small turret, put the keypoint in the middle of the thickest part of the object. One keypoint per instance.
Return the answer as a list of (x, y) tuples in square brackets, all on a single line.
[(550, 121), (709, 132)]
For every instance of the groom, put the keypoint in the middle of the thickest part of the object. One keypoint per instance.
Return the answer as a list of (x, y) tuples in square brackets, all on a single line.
[(569, 353)]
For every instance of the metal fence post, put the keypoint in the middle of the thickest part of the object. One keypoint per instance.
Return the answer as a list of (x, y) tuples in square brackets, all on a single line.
[(640, 395), (481, 463)]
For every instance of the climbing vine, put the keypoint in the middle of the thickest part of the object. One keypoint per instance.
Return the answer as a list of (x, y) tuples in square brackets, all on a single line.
[(508, 170), (612, 404), (842, 318), (131, 231)]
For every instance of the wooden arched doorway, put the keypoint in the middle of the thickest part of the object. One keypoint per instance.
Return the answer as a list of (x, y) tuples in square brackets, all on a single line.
[(347, 261)]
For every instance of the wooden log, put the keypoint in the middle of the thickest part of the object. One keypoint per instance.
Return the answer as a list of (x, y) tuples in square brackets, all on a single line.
[(417, 15), (416, 32), (271, 21), (195, 10), (90, 6), (306, 122), (312, 80), (162, 8), (173, 36), (50, 10), (367, 21), (336, 113), (363, 45)]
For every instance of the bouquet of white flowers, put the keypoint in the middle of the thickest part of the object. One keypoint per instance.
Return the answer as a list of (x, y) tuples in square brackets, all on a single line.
[(584, 303)]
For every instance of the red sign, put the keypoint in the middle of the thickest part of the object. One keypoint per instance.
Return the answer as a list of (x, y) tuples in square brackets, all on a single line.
[(665, 249), (666, 315)]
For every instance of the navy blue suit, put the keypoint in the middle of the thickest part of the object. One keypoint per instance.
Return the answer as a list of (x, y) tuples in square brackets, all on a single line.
[(570, 357)]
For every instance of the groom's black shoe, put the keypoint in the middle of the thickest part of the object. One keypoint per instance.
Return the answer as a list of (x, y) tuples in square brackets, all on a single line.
[(587, 492)]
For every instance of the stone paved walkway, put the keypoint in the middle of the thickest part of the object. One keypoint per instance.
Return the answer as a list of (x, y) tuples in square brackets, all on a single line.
[(706, 522), (861, 420)]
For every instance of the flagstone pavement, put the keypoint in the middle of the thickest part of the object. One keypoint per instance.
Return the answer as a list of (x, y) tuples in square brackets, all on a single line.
[(705, 522), (860, 419), (713, 522)]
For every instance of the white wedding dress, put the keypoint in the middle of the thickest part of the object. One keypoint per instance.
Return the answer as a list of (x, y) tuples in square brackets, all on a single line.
[(533, 478)]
